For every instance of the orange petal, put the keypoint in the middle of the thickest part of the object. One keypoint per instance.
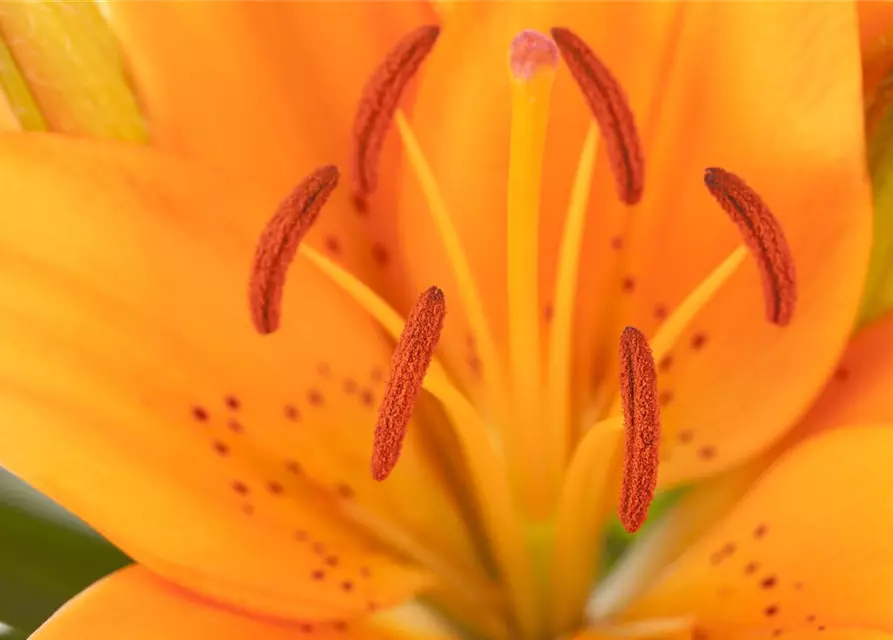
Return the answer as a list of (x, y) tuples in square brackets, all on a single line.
[(811, 634), (136, 604), (766, 565), (132, 375), (462, 119), (267, 93), (734, 383), (859, 390)]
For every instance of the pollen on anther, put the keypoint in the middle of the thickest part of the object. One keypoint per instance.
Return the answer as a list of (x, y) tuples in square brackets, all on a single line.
[(378, 103), (764, 238), (278, 244), (610, 108), (409, 364), (641, 416)]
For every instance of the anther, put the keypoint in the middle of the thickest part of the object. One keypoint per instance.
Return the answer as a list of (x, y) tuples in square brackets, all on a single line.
[(530, 52), (409, 363), (609, 106), (379, 102), (764, 238), (279, 242), (641, 418)]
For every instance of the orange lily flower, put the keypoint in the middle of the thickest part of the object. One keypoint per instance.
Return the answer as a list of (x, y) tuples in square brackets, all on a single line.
[(234, 468)]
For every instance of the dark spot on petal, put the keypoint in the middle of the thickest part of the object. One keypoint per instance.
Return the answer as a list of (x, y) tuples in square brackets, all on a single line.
[(221, 447), (660, 312), (232, 402), (665, 363), (548, 313), (380, 254), (332, 245), (300, 535), (665, 397), (707, 452), (318, 574), (771, 610), (323, 369), (685, 436), (377, 375), (768, 582), (275, 488), (315, 397), (698, 340), (367, 397), (345, 491), (760, 531), (248, 509), (347, 585), (332, 561), (200, 414), (841, 375), (750, 568), (306, 627), (240, 487), (292, 413), (810, 618), (235, 426), (340, 626), (350, 386), (294, 467), (628, 284), (319, 548), (617, 243), (365, 572)]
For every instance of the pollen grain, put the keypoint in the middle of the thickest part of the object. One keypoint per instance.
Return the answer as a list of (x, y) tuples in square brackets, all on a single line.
[(378, 103), (610, 108), (764, 238), (279, 242), (408, 367), (641, 417)]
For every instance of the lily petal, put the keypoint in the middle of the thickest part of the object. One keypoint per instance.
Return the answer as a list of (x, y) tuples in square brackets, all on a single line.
[(814, 634), (136, 393), (135, 603), (809, 546), (734, 383), (267, 92)]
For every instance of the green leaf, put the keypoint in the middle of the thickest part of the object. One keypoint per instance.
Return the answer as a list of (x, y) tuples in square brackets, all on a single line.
[(47, 556), (878, 296)]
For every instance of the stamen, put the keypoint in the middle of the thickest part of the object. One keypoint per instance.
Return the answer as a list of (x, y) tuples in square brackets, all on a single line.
[(641, 417), (609, 106), (379, 102), (408, 366), (558, 423), (764, 238), (279, 242)]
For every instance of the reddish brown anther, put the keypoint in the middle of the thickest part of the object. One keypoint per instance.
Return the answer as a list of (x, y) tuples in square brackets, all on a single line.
[(641, 418), (764, 238), (279, 242), (408, 366), (609, 106), (379, 102)]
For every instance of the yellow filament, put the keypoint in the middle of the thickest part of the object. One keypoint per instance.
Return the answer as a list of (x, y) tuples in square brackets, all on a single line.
[(673, 327), (555, 427), (486, 465), (468, 291), (585, 500), (530, 114)]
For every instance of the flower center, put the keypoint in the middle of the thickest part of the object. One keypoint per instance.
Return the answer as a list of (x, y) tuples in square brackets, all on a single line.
[(534, 476)]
